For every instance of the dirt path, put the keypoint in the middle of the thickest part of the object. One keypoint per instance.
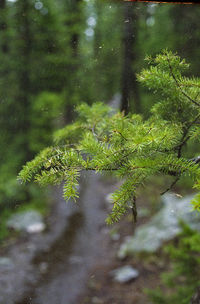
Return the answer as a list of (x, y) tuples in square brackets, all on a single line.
[(72, 256), (70, 263), (54, 267)]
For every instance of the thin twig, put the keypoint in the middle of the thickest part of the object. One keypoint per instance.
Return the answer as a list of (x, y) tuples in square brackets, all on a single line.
[(179, 86), (171, 186), (184, 138), (134, 210)]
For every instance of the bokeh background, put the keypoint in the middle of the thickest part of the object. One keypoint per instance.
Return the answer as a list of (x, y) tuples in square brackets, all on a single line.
[(55, 54)]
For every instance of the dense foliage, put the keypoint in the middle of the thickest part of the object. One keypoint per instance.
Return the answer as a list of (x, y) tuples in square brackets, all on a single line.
[(183, 278), (56, 54), (131, 148)]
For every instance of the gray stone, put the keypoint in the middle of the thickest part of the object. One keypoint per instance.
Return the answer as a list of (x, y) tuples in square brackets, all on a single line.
[(6, 263), (29, 221), (115, 236), (124, 274), (109, 198), (76, 260), (143, 212), (96, 300), (43, 267), (162, 227)]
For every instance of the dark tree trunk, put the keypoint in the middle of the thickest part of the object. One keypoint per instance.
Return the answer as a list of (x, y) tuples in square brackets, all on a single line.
[(185, 21), (129, 85), (3, 27), (74, 29), (97, 33), (196, 297), (76, 19), (24, 49)]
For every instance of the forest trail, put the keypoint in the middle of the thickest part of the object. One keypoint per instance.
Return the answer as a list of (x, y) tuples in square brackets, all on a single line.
[(82, 244)]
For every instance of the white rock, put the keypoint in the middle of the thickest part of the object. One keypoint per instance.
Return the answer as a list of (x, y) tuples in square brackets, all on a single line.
[(29, 221), (6, 262), (36, 228), (162, 227), (124, 274)]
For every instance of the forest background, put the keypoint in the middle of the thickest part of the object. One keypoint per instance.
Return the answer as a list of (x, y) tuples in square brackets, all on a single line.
[(57, 54)]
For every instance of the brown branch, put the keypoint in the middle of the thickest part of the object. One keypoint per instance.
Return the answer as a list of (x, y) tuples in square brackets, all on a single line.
[(134, 210), (179, 86), (184, 138), (171, 186)]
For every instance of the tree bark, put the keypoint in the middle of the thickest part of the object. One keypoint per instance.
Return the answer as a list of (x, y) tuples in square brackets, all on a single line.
[(185, 22), (76, 19), (24, 48), (74, 25), (196, 297), (3, 27), (129, 84)]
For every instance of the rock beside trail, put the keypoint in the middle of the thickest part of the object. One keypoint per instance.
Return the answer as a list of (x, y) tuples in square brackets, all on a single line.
[(162, 227), (29, 221), (124, 274), (6, 263)]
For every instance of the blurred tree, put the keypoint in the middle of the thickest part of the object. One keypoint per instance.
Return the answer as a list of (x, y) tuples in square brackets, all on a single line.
[(3, 26), (50, 53), (24, 45), (186, 33), (35, 61), (129, 84), (74, 24), (105, 67), (55, 54)]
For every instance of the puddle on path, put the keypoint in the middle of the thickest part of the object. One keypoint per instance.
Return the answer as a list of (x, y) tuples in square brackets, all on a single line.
[(65, 267)]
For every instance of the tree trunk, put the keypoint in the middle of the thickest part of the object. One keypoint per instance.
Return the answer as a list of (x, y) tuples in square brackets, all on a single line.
[(3, 27), (74, 21), (196, 297), (129, 84), (74, 26), (185, 21), (24, 48)]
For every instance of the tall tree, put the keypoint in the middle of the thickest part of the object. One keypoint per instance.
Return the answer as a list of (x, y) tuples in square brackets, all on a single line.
[(24, 45), (107, 49), (74, 21), (186, 33), (3, 27), (129, 84)]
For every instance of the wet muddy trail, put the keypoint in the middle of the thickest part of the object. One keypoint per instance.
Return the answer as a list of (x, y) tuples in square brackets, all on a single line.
[(54, 267), (64, 266)]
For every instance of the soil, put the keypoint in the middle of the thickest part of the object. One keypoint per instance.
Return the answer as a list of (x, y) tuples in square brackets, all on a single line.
[(78, 253), (102, 289)]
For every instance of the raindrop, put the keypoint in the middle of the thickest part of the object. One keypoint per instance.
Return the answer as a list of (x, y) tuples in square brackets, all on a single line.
[(89, 32), (44, 11), (38, 5), (91, 21), (150, 21)]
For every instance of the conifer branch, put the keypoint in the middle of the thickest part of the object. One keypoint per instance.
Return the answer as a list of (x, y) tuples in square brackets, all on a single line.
[(127, 146), (171, 186), (185, 138), (179, 86)]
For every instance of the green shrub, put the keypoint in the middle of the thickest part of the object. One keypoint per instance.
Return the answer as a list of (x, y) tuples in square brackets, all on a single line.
[(181, 281)]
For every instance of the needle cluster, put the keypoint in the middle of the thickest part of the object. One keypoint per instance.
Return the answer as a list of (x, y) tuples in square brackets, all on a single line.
[(131, 148)]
